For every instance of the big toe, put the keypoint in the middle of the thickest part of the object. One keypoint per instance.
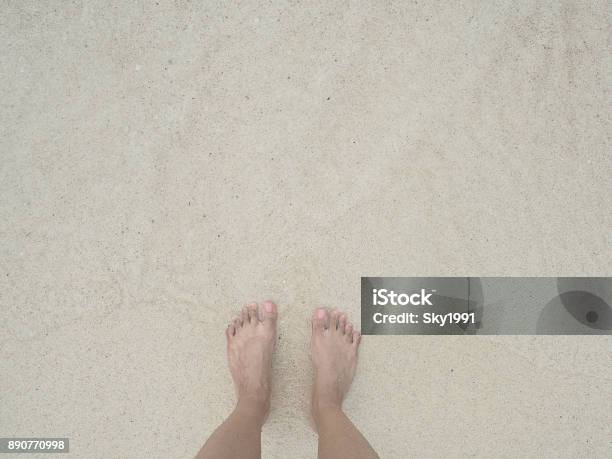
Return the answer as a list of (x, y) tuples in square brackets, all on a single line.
[(319, 320), (269, 313)]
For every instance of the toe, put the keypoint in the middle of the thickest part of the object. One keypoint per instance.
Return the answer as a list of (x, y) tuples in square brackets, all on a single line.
[(333, 320), (319, 320), (252, 312), (230, 331), (269, 313), (356, 338), (244, 316), (237, 323), (341, 324), (348, 332)]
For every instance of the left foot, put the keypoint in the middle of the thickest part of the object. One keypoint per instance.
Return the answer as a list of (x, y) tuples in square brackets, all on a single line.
[(250, 343)]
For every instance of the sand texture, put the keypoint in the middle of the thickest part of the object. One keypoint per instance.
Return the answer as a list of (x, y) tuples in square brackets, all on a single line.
[(161, 163)]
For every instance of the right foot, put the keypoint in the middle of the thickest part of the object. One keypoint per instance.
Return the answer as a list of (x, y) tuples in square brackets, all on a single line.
[(250, 343), (333, 349)]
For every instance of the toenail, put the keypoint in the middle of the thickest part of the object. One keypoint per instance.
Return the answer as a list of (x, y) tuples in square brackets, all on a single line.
[(269, 306), (320, 313)]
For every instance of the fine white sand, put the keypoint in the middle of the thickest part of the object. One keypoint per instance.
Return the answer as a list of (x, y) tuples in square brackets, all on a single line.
[(164, 162)]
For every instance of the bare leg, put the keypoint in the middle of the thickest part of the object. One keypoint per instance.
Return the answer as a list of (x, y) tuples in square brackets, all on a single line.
[(333, 349), (250, 342)]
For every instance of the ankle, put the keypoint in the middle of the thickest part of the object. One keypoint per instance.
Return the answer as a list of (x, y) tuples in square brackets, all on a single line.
[(252, 408), (325, 395), (323, 406), (323, 413)]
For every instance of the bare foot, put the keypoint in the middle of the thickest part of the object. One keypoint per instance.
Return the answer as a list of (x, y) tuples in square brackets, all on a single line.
[(333, 350), (250, 343)]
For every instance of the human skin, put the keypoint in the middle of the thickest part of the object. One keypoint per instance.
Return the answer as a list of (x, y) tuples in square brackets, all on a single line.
[(250, 344)]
